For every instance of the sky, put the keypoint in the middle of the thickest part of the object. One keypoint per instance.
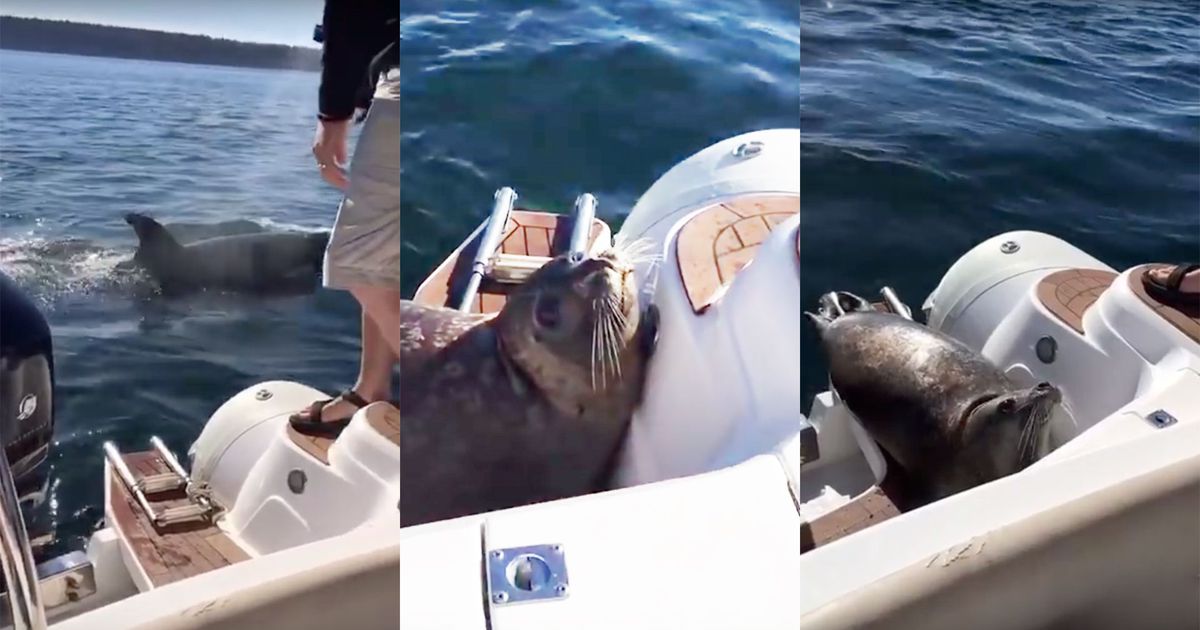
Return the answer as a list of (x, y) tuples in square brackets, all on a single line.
[(265, 21)]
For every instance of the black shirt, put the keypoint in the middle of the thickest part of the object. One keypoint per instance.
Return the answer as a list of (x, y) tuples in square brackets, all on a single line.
[(361, 40)]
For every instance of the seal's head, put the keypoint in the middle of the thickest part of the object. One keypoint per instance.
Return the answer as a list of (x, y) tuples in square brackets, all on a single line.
[(570, 325), (1007, 433)]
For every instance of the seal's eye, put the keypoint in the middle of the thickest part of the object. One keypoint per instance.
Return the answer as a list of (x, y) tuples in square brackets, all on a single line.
[(1007, 405), (547, 312)]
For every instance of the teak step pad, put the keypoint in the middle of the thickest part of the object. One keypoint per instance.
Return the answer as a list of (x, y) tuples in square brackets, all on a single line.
[(385, 420), (1186, 319), (864, 511), (316, 446), (528, 233), (718, 241), (1068, 294), (172, 553)]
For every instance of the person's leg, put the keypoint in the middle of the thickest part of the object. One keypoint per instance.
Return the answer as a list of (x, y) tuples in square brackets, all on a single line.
[(374, 381), (363, 255), (383, 305)]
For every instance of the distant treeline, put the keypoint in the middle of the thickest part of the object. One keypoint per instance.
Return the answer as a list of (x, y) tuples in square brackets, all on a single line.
[(72, 38)]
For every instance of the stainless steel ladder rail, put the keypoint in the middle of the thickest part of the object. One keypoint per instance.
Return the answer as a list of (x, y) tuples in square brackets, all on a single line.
[(505, 199), (585, 213), (20, 574), (893, 301)]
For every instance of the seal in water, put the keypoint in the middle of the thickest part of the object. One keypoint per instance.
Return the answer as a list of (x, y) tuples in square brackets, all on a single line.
[(949, 417), (529, 405), (258, 263)]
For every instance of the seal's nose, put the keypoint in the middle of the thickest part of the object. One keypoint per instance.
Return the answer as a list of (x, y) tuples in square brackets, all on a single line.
[(1046, 390), (595, 284)]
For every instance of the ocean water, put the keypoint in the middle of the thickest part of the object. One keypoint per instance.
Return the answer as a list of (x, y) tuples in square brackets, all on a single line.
[(929, 126), (208, 150), (562, 97)]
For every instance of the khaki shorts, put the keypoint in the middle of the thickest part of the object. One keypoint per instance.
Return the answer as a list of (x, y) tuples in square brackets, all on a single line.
[(364, 248)]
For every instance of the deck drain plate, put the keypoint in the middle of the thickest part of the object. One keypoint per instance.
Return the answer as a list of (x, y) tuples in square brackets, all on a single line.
[(526, 574), (1161, 419)]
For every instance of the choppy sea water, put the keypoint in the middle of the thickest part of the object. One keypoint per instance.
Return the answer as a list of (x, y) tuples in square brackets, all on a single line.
[(207, 151), (559, 98), (929, 126)]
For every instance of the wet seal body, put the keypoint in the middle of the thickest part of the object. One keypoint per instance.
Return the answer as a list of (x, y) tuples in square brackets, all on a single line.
[(258, 263), (947, 415), (529, 405)]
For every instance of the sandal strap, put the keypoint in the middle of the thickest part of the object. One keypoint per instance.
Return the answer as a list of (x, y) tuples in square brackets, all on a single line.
[(353, 398), (1177, 274), (314, 410)]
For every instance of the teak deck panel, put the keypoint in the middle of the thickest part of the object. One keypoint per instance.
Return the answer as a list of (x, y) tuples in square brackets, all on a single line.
[(316, 446), (528, 233), (864, 511), (720, 240), (1069, 293), (386, 422), (1185, 319), (167, 554)]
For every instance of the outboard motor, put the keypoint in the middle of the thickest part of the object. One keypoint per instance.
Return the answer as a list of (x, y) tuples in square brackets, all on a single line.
[(26, 394)]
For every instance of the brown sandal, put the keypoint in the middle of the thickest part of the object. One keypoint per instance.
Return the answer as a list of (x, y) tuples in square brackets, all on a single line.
[(309, 421)]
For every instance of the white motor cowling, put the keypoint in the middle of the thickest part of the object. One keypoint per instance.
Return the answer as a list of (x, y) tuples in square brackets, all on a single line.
[(239, 431), (982, 287)]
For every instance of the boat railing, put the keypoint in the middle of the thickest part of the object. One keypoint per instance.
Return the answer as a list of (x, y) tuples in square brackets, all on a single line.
[(505, 199), (20, 574), (585, 213)]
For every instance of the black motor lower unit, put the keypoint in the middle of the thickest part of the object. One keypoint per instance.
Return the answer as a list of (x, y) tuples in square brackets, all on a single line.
[(26, 396)]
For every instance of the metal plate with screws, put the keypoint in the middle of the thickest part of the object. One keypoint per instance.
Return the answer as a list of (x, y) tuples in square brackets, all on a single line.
[(526, 574), (1161, 419)]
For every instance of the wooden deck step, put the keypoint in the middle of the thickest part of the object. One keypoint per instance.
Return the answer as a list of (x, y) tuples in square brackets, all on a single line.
[(317, 447), (1069, 293), (528, 233), (171, 553), (720, 240)]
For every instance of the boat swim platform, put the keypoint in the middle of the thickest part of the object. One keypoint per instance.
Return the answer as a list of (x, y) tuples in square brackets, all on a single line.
[(170, 553), (527, 233)]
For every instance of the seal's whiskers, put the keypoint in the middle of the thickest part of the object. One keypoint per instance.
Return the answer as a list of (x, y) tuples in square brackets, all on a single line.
[(595, 339), (636, 251), (615, 322)]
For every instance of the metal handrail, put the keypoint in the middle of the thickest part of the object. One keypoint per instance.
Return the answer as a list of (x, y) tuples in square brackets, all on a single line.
[(585, 213), (122, 470), (893, 302), (506, 198), (20, 574)]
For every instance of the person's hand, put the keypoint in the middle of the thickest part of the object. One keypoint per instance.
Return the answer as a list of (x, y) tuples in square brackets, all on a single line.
[(329, 147)]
